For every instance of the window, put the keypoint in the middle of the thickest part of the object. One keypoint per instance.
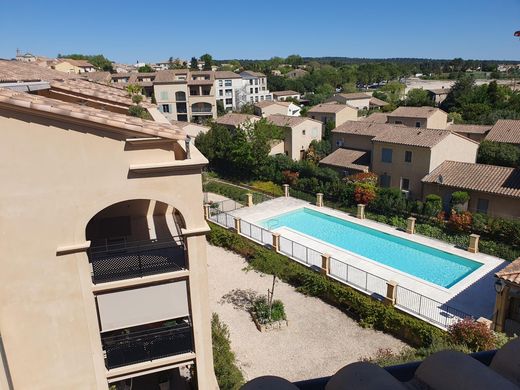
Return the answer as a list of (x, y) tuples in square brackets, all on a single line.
[(417, 124), (251, 82), (398, 122), (339, 143), (182, 108), (166, 108), (262, 97), (220, 83), (229, 101), (227, 83), (482, 206), (164, 95), (408, 156), (256, 82), (303, 132), (384, 180), (251, 90), (405, 184), (256, 98), (182, 118), (313, 117), (256, 90), (220, 92), (180, 96), (386, 155)]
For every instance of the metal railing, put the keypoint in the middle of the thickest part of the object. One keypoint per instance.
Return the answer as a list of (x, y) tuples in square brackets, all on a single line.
[(146, 345), (135, 259), (416, 304)]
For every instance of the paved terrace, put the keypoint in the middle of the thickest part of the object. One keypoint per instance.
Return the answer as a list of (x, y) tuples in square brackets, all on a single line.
[(474, 294)]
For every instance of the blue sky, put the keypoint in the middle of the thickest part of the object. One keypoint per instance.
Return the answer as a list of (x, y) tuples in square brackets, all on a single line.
[(128, 31)]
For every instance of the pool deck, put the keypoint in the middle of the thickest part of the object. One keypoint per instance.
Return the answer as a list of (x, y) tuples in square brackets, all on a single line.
[(474, 294)]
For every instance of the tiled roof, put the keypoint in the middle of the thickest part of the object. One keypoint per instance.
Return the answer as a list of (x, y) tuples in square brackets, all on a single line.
[(234, 119), (253, 74), (76, 112), (168, 76), (414, 112), (363, 128), (378, 102), (348, 158), (413, 136), (78, 63), (267, 103), (473, 129), (511, 272), (354, 95), (288, 121), (224, 74), (99, 77), (505, 130), (477, 177), (11, 71), (328, 108), (285, 93), (376, 117)]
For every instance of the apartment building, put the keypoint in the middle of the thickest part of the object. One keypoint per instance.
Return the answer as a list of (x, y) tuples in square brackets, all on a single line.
[(230, 90), (255, 84), (337, 113), (103, 247), (185, 95), (423, 117)]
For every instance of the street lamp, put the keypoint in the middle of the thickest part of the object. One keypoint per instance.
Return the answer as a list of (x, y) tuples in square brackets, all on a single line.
[(499, 286)]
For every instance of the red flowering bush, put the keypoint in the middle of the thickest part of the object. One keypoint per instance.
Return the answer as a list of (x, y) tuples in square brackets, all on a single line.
[(363, 177), (364, 193), (290, 177), (474, 335), (460, 222)]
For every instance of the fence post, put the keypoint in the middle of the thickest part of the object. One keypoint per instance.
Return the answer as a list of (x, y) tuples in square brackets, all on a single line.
[(391, 292), (473, 243), (325, 264), (361, 211), (249, 199), (237, 225), (410, 225), (286, 190), (319, 199), (206, 211), (276, 242)]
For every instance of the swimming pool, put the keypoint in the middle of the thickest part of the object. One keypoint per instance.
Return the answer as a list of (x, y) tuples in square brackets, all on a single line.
[(433, 265)]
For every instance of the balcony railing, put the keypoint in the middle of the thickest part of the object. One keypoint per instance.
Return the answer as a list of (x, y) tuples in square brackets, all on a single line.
[(146, 345), (136, 259)]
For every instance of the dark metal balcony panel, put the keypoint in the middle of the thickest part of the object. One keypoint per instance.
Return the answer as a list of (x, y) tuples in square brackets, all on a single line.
[(132, 261), (147, 345)]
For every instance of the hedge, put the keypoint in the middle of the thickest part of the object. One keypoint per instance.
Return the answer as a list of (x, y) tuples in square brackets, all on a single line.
[(233, 192), (368, 311)]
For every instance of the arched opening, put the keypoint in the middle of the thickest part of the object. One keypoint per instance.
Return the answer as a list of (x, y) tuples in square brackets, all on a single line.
[(201, 107), (135, 238)]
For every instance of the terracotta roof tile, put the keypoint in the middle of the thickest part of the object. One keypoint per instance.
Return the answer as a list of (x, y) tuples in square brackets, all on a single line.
[(330, 108), (477, 177), (414, 112), (23, 71), (372, 129), (224, 74), (376, 117), (267, 103), (234, 119), (348, 158), (289, 121), (470, 129), (413, 136), (378, 102), (505, 130), (511, 272), (285, 93)]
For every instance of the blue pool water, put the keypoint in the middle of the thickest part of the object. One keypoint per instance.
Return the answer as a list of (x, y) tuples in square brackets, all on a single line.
[(433, 265)]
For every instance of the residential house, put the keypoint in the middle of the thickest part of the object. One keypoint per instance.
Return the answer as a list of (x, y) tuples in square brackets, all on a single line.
[(299, 132), (357, 135), (402, 156), (506, 316), (116, 281), (359, 100), (438, 95), (423, 117), (68, 65), (376, 117), (493, 190), (99, 77), (267, 108), (296, 73), (474, 132), (234, 121), (376, 103), (347, 161), (505, 131), (201, 91), (337, 113), (284, 95), (255, 84), (230, 90)]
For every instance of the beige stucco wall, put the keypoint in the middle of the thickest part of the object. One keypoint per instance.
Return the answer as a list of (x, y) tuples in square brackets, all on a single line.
[(58, 177), (500, 206), (347, 114), (453, 147), (165, 94), (271, 110), (67, 67), (351, 141), (296, 140), (438, 120), (407, 121)]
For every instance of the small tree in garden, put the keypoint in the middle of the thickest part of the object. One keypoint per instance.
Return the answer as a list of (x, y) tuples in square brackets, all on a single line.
[(364, 193), (432, 205), (474, 335), (459, 199)]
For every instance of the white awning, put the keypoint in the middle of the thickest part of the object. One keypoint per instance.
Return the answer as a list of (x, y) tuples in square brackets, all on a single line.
[(143, 305)]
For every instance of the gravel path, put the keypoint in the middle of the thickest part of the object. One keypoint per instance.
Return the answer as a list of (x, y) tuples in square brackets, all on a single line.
[(319, 341)]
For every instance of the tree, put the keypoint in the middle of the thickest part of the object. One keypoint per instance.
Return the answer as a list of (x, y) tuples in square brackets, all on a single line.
[(418, 97), (458, 94), (194, 63), (208, 61), (348, 88), (145, 69), (497, 153), (220, 108), (176, 64), (98, 60), (294, 60)]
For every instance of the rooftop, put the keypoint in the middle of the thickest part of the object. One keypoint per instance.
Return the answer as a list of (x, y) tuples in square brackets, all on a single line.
[(224, 74), (378, 102), (372, 129), (376, 117), (354, 95), (78, 63), (511, 272), (12, 71), (413, 136), (267, 103), (470, 129), (330, 108), (477, 177), (348, 158), (285, 93), (288, 121), (234, 119), (414, 112), (505, 130), (251, 73), (95, 117), (168, 76)]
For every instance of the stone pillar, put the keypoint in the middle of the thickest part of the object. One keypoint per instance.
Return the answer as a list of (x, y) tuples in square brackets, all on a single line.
[(206, 211), (319, 199), (276, 242), (237, 225), (325, 264), (410, 225), (501, 309), (391, 292), (473, 243), (249, 199), (361, 211), (485, 321), (285, 190)]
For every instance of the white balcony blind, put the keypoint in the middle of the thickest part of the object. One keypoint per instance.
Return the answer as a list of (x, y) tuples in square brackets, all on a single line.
[(143, 305)]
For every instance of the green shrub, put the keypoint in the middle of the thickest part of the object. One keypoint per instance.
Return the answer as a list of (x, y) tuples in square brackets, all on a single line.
[(459, 197), (260, 310), (268, 187), (228, 374), (139, 112), (476, 336), (432, 205), (368, 311)]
